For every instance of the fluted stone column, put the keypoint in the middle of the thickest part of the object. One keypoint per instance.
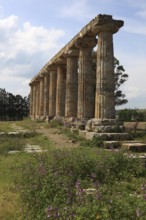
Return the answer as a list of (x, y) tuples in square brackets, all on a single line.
[(34, 100), (52, 93), (31, 100), (41, 97), (60, 90), (37, 99), (46, 94), (71, 84), (86, 90), (105, 102)]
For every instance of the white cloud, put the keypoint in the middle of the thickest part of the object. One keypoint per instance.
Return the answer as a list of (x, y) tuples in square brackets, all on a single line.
[(77, 10), (24, 49)]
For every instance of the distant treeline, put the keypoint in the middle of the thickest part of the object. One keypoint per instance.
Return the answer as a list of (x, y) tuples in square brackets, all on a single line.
[(13, 107), (130, 115)]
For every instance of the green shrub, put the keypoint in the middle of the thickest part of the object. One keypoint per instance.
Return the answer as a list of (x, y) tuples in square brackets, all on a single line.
[(80, 184), (95, 142), (11, 143), (55, 123)]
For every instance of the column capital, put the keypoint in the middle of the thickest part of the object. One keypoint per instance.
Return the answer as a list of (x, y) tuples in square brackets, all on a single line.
[(108, 25), (86, 42), (60, 61), (51, 67), (44, 72), (72, 53)]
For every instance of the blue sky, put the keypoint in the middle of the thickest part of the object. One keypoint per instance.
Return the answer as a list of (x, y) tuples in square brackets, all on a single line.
[(32, 31)]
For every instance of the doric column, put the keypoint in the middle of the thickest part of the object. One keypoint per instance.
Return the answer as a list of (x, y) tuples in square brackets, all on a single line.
[(46, 93), (60, 91), (71, 84), (37, 98), (105, 101), (31, 99), (34, 100), (52, 93), (41, 96), (86, 91)]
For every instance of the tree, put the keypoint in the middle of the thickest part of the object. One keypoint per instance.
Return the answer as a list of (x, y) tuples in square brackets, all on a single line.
[(3, 104), (120, 78), (13, 107), (130, 115)]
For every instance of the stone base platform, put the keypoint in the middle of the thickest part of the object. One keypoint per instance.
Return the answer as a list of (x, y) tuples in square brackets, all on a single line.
[(134, 146), (104, 126), (107, 136)]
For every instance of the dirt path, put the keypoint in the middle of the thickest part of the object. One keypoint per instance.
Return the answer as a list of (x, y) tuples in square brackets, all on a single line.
[(57, 137)]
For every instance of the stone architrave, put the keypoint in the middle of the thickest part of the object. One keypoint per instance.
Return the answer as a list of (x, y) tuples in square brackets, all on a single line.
[(86, 86), (71, 83), (46, 94), (41, 96), (52, 93), (105, 101), (60, 90)]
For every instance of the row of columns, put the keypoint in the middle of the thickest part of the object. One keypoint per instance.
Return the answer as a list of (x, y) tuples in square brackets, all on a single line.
[(69, 88)]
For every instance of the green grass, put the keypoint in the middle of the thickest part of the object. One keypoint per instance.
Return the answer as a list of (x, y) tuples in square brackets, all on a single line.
[(9, 197), (10, 164), (118, 178), (5, 126), (27, 123)]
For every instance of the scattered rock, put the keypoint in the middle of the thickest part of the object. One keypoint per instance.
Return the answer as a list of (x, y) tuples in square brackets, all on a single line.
[(33, 149), (14, 133), (14, 151)]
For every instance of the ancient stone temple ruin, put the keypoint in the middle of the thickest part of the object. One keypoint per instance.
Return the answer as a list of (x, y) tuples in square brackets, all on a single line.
[(67, 87)]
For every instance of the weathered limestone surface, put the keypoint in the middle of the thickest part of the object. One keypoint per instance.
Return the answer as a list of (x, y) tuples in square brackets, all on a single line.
[(107, 136), (71, 84), (52, 93), (104, 104), (34, 101), (37, 99), (46, 94), (86, 94), (31, 100), (104, 125), (60, 92), (41, 97), (134, 146)]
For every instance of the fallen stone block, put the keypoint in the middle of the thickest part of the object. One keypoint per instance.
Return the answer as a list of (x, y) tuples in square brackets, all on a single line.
[(133, 146), (2, 133), (14, 151), (14, 133)]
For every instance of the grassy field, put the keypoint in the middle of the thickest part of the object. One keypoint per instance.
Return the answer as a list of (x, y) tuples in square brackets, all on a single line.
[(10, 165), (54, 183)]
